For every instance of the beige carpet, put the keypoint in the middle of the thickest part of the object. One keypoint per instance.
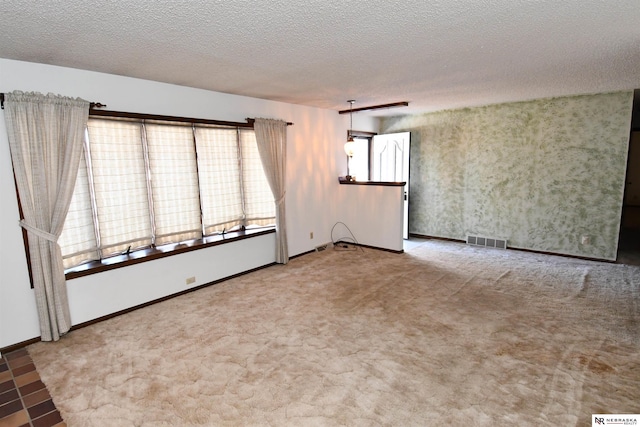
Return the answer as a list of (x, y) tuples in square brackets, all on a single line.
[(445, 334)]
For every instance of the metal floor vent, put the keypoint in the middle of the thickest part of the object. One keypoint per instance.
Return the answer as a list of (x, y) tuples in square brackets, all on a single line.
[(489, 242), (321, 248)]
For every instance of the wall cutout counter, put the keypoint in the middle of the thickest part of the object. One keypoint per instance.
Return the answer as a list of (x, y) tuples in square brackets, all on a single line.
[(373, 211), (345, 181)]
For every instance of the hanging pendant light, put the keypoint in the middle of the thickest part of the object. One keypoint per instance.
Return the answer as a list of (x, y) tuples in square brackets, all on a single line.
[(350, 145)]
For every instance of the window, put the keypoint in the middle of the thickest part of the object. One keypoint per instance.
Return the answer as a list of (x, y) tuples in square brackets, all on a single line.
[(359, 166), (360, 162), (147, 183)]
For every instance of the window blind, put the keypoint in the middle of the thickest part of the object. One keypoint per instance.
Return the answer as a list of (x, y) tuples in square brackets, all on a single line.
[(219, 169), (174, 183), (78, 239), (259, 204), (120, 182), (153, 183)]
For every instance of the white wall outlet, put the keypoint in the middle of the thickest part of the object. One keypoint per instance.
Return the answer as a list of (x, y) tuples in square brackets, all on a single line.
[(191, 280), (585, 239), (311, 235)]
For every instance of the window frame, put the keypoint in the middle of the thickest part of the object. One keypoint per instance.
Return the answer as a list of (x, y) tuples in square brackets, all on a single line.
[(160, 251), (369, 137)]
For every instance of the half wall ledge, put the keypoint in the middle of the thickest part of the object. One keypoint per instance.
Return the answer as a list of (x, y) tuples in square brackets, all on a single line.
[(344, 181)]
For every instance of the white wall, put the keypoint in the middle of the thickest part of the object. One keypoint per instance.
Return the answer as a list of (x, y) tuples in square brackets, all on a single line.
[(97, 295), (315, 158), (373, 214)]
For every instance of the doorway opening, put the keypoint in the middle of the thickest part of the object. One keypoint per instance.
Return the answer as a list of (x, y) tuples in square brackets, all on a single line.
[(629, 239), (383, 158)]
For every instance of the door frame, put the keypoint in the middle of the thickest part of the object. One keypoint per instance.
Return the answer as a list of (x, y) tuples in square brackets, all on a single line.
[(406, 165)]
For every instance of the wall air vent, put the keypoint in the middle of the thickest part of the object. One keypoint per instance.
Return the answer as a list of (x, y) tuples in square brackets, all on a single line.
[(489, 242)]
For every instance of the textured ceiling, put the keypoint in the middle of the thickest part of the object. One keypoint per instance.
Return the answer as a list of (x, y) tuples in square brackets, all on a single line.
[(434, 54)]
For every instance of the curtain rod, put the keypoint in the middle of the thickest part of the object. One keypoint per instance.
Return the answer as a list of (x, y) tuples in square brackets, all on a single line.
[(107, 113), (141, 116), (91, 104)]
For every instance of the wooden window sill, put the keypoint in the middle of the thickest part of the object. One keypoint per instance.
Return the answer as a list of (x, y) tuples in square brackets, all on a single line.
[(149, 254)]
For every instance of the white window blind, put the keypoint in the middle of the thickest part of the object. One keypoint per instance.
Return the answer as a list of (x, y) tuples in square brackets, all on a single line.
[(152, 183), (259, 205), (174, 183), (220, 186), (120, 181), (78, 238)]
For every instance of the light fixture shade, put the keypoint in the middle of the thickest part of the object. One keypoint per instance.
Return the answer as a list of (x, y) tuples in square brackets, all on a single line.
[(350, 147)]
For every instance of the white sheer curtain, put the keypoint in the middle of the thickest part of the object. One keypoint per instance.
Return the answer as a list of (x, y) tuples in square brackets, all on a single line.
[(46, 136), (271, 136)]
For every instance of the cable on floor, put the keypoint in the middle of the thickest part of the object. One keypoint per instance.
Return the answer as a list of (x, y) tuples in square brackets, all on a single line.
[(340, 243)]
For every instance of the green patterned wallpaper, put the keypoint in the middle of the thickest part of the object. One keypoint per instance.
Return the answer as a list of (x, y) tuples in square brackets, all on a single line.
[(541, 173)]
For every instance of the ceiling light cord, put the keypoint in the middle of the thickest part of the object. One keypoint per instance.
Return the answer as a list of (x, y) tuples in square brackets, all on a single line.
[(350, 146), (351, 101)]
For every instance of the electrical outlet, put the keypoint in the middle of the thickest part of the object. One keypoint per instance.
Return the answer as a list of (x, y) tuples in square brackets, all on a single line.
[(190, 280), (586, 239), (311, 235)]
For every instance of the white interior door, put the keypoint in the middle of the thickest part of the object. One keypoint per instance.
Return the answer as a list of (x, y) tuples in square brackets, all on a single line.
[(390, 162)]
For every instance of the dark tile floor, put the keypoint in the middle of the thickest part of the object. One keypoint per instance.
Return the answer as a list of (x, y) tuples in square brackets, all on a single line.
[(24, 399)]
